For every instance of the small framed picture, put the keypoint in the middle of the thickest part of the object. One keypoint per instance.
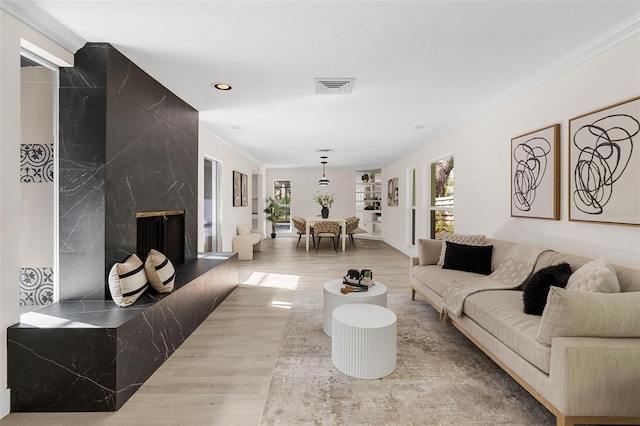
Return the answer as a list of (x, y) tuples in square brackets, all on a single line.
[(237, 189), (245, 190)]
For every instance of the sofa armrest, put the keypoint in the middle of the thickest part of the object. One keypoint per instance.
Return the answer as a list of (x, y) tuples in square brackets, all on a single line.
[(595, 376), (258, 246), (429, 251)]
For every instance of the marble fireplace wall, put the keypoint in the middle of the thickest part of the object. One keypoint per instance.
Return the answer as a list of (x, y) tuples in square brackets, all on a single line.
[(127, 145)]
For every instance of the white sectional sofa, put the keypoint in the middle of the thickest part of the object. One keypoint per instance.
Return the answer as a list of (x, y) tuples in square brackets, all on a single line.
[(583, 377)]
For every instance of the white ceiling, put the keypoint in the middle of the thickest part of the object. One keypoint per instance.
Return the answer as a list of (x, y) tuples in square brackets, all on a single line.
[(422, 68)]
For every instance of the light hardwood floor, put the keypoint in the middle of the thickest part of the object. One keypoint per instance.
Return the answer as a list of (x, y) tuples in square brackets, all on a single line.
[(221, 373)]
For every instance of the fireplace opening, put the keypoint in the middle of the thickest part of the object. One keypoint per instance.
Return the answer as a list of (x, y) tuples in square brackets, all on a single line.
[(162, 231)]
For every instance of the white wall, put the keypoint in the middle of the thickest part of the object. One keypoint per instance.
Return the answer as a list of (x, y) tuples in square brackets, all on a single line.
[(11, 31), (304, 186), (209, 146), (482, 163), (36, 232)]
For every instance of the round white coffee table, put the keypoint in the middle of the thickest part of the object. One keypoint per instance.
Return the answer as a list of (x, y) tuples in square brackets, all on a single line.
[(332, 298), (364, 342)]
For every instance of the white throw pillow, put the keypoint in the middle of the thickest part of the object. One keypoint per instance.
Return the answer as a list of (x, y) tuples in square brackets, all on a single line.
[(469, 240), (160, 271), (589, 314), (127, 281), (595, 276), (244, 230)]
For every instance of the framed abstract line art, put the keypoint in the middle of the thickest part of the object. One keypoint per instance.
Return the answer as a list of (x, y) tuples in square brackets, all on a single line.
[(392, 195), (237, 189), (245, 189), (535, 174), (604, 165)]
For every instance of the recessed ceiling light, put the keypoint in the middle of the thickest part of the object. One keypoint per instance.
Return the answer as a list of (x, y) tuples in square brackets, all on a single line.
[(420, 126), (221, 86)]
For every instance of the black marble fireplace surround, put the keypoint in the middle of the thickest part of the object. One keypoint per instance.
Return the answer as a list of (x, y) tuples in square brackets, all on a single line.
[(94, 355), (127, 144)]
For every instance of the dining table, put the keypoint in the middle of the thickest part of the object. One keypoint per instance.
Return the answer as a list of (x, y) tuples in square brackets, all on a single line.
[(312, 220)]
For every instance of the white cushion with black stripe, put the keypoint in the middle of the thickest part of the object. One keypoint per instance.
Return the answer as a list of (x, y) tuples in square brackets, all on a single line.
[(160, 271), (127, 281)]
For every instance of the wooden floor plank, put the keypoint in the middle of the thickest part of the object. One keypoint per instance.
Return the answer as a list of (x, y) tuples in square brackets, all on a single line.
[(221, 373)]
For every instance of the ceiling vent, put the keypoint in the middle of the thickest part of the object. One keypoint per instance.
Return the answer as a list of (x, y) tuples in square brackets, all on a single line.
[(334, 86)]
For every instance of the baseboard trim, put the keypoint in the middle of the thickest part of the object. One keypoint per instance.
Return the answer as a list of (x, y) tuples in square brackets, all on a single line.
[(5, 403), (410, 252)]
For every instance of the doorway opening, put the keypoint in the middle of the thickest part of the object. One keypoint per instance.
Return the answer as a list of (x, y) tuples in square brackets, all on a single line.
[(211, 205), (38, 182)]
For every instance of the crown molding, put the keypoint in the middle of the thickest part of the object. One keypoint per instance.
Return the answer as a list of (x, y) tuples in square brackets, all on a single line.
[(34, 17), (616, 35)]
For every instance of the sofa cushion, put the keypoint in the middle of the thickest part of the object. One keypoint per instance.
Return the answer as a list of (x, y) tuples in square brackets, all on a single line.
[(470, 240), (462, 257), (500, 313), (536, 287), (595, 276), (437, 279), (160, 271), (589, 314), (429, 251)]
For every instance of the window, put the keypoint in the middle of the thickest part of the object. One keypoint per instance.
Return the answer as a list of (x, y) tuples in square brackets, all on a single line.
[(411, 186), (282, 194), (441, 200)]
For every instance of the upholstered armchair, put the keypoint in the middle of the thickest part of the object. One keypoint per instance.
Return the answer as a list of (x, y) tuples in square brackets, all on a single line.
[(328, 229), (301, 228), (246, 242), (352, 228)]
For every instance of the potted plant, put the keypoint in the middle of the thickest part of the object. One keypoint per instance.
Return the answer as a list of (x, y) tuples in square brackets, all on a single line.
[(273, 210), (325, 200)]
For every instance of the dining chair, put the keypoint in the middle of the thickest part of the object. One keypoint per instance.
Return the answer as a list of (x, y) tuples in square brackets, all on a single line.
[(352, 228), (301, 228), (327, 229)]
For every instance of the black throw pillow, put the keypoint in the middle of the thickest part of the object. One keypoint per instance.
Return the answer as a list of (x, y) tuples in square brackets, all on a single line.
[(467, 258), (536, 288)]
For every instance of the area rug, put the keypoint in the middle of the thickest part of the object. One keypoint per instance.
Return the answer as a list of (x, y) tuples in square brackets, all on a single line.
[(441, 378)]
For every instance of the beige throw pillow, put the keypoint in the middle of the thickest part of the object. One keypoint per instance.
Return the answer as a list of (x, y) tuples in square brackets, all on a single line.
[(586, 314), (127, 281), (595, 276), (469, 240), (160, 271)]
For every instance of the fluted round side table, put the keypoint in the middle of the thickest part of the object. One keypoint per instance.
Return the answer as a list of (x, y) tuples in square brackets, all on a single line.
[(364, 342), (332, 298)]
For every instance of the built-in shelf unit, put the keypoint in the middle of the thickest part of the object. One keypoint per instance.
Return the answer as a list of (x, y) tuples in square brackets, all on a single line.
[(369, 201)]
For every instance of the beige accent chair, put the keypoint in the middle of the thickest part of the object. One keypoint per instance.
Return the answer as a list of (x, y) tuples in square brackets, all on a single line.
[(328, 229), (246, 242)]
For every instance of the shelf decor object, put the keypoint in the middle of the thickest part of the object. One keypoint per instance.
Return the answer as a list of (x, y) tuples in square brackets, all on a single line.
[(535, 174), (604, 165)]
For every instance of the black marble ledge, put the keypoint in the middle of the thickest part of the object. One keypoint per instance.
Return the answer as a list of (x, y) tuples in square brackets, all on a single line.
[(93, 355)]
